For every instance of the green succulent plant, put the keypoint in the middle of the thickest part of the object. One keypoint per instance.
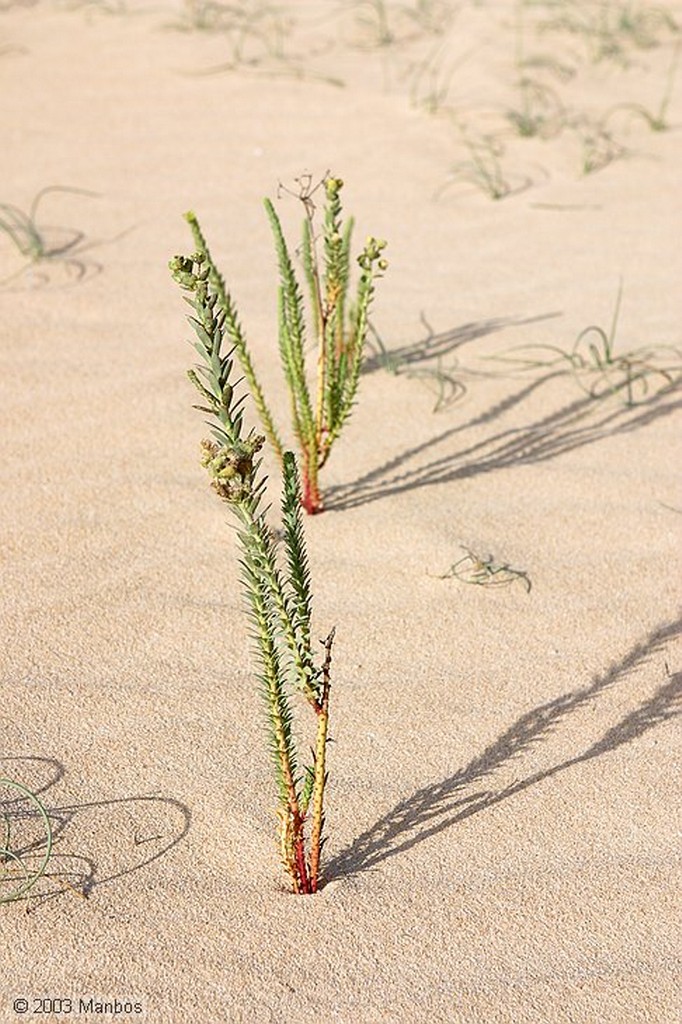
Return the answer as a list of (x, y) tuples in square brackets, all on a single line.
[(278, 591), (339, 325)]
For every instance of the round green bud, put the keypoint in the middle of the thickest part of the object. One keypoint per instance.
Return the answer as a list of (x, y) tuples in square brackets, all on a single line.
[(186, 280)]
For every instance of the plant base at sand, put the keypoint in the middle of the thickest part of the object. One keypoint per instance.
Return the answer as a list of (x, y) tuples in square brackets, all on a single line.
[(278, 590), (339, 325)]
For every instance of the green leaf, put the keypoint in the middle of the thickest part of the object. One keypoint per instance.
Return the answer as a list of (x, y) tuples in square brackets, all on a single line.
[(298, 577), (292, 333)]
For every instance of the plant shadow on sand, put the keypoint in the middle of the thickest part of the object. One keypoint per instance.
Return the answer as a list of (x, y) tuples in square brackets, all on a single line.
[(578, 423), (134, 831), (443, 804)]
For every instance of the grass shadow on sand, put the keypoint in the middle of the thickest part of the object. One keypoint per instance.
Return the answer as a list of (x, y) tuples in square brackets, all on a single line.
[(443, 804), (438, 344), (579, 423), (132, 832)]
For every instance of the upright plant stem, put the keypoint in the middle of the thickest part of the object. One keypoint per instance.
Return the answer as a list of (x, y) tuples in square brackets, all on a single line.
[(322, 710), (312, 499), (237, 337)]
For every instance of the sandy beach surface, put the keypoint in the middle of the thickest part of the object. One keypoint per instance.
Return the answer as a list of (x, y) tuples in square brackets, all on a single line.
[(503, 797)]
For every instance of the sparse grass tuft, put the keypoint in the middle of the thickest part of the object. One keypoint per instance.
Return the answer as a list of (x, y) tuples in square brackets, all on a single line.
[(382, 24), (25, 840), (598, 144), (610, 29), (41, 244), (256, 35), (484, 168), (656, 120), (540, 113), (485, 572), (440, 378), (636, 376), (430, 80)]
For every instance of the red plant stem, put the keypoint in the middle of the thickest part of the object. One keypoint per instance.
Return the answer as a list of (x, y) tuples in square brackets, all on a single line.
[(311, 500), (303, 886), (292, 823)]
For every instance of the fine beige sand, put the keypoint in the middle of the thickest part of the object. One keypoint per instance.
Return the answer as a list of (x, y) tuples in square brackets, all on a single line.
[(502, 795)]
